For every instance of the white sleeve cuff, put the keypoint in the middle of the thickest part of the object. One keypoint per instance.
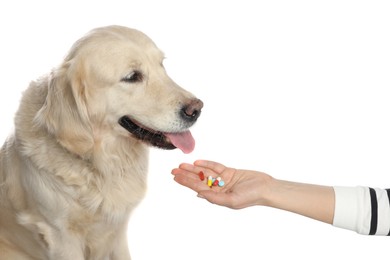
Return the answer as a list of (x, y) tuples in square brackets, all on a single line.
[(352, 209)]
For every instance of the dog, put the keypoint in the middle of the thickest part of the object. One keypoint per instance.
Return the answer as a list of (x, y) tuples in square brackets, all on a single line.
[(77, 163)]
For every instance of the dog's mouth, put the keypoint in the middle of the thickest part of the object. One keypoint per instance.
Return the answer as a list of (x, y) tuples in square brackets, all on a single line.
[(182, 140)]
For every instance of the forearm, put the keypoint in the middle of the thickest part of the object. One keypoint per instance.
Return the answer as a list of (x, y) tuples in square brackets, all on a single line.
[(313, 201)]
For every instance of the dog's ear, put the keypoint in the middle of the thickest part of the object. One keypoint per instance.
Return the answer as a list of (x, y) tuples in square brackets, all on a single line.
[(64, 112)]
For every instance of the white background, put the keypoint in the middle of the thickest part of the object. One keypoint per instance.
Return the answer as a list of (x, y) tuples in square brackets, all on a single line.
[(298, 89)]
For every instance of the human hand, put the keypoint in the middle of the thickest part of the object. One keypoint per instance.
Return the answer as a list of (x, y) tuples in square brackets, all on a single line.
[(243, 188)]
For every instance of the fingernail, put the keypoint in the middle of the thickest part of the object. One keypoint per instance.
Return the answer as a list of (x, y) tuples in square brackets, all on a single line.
[(200, 196)]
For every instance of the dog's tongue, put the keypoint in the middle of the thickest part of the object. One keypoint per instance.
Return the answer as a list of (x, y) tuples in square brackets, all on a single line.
[(184, 141)]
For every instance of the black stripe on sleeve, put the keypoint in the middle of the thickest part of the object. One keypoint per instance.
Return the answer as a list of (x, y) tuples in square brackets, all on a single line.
[(374, 212), (388, 196)]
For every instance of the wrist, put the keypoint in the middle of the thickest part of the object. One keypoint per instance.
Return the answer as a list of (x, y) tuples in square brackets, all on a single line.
[(268, 192)]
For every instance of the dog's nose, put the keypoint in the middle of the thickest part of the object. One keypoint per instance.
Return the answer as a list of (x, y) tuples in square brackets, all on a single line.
[(191, 111)]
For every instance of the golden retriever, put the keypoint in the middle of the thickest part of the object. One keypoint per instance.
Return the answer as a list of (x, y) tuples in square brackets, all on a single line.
[(77, 163)]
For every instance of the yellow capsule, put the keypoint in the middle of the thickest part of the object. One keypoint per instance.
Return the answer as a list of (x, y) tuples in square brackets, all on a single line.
[(210, 181)]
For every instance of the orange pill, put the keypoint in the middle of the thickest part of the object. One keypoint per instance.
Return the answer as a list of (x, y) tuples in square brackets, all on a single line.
[(201, 176)]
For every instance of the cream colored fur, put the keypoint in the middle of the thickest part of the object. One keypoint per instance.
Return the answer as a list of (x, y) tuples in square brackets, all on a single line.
[(70, 176)]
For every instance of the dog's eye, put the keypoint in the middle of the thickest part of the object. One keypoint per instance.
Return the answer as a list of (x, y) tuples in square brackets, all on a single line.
[(133, 77)]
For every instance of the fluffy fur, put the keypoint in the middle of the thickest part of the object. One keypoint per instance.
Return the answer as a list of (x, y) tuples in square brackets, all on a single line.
[(71, 174)]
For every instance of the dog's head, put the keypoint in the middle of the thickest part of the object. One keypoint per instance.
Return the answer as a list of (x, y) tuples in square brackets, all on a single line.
[(113, 80)]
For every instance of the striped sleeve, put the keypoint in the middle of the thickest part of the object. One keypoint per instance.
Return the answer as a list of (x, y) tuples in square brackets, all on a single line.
[(363, 209)]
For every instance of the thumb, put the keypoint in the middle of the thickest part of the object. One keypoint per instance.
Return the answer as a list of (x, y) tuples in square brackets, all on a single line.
[(213, 197)]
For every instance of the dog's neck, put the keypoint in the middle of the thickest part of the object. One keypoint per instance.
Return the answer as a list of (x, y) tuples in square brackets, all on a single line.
[(114, 166)]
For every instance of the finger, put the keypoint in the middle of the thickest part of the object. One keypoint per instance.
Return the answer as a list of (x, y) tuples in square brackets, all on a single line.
[(219, 198), (189, 167), (181, 170), (189, 182), (214, 166), (186, 174), (195, 170)]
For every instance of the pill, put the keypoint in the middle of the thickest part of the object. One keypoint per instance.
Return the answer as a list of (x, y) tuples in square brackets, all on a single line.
[(210, 181), (220, 182), (215, 182), (201, 176)]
